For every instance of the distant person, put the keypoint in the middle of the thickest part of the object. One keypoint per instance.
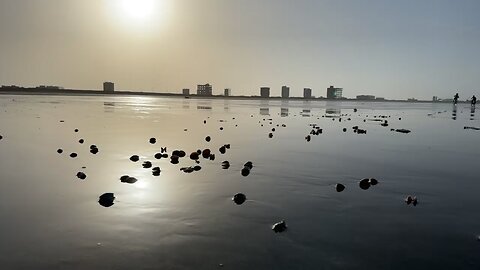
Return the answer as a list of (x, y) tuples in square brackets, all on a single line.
[(455, 98), (474, 100)]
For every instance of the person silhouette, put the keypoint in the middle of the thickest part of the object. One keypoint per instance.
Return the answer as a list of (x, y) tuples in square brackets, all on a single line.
[(455, 98), (474, 100)]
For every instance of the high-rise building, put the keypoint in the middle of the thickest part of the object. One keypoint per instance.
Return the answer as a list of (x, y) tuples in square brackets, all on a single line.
[(334, 93), (108, 87), (265, 92), (227, 92), (186, 92), (307, 93), (285, 91), (204, 90)]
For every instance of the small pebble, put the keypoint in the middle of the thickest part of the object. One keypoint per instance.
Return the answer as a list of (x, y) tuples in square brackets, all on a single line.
[(81, 175), (134, 158), (73, 155), (239, 198), (153, 140), (339, 187), (59, 151)]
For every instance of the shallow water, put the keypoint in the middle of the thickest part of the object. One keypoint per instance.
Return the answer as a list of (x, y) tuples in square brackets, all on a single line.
[(50, 219)]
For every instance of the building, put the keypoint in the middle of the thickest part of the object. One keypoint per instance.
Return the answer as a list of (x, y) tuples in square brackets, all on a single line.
[(380, 99), (435, 99), (186, 92), (365, 97), (307, 93), (265, 92), (227, 92), (285, 91), (334, 93), (108, 87), (204, 90)]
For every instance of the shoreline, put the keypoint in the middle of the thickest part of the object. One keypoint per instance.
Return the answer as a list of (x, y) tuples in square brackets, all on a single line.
[(72, 92)]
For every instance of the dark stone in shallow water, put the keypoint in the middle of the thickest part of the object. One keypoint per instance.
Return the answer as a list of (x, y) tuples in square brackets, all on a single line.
[(106, 199), (308, 138), (364, 184), (60, 151), (339, 187), (270, 135), (153, 140), (76, 130), (225, 165), (194, 155), (73, 155), (208, 139), (239, 198), (206, 153), (93, 146), (279, 226), (158, 155), (197, 168), (81, 175), (373, 181), (134, 158), (222, 150), (344, 130), (127, 179), (245, 171), (81, 141), (94, 150), (147, 164), (249, 165), (212, 156), (402, 130)]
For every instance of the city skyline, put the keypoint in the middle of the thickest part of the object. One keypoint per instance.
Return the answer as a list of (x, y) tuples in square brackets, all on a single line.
[(381, 48)]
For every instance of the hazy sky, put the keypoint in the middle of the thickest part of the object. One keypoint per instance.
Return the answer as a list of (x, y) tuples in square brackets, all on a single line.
[(394, 49)]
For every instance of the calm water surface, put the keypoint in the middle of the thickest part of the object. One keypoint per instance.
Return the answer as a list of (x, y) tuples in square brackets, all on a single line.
[(50, 219)]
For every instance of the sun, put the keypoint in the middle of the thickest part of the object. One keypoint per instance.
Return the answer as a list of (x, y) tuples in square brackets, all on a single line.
[(138, 9)]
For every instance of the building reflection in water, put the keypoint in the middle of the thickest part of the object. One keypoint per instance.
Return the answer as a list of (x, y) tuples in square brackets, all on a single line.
[(283, 112), (332, 112), (109, 107), (264, 111), (454, 112), (472, 112)]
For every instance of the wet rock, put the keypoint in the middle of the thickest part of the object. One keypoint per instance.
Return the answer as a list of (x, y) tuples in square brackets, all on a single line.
[(204, 121), (361, 131), (411, 200), (81, 141), (339, 187), (156, 171), (373, 181), (225, 165), (212, 156), (308, 138), (364, 184), (93, 146), (245, 171), (163, 149), (208, 139), (165, 156), (128, 179), (194, 156), (60, 151), (153, 140), (135, 158), (384, 124), (270, 135), (182, 154), (94, 150), (81, 175), (206, 153), (279, 226), (147, 165), (197, 168), (249, 165), (187, 169), (76, 130), (355, 110), (344, 130), (221, 128), (222, 150), (174, 159), (239, 198), (273, 129), (73, 155), (227, 146), (106, 199), (401, 130), (199, 152), (158, 155)]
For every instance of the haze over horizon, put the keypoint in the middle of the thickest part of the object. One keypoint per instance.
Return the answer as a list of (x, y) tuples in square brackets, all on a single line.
[(392, 49)]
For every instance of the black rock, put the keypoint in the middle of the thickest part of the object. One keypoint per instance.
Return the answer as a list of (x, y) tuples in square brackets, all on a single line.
[(106, 199), (225, 165), (279, 227), (76, 130), (308, 138), (153, 140), (94, 150), (128, 179), (212, 156), (147, 164), (249, 165), (339, 187), (93, 146), (222, 150), (59, 151), (403, 130), (373, 181), (364, 184), (270, 135), (208, 139), (344, 130), (273, 129), (227, 146), (197, 168), (181, 153), (158, 155), (163, 149), (134, 158), (221, 128), (81, 141), (81, 175), (245, 171), (239, 198), (73, 155), (194, 155), (206, 153)]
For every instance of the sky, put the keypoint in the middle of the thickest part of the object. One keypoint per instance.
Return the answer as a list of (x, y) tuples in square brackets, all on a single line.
[(393, 49)]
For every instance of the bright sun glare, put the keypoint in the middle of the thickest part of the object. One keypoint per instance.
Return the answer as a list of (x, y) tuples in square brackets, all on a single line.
[(139, 9)]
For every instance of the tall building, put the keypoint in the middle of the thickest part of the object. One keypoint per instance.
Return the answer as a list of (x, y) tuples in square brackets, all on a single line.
[(186, 91), (227, 92), (265, 92), (204, 90), (307, 93), (334, 93), (108, 87), (285, 91)]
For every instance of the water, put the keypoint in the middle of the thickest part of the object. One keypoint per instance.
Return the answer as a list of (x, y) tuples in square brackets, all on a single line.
[(50, 219)]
